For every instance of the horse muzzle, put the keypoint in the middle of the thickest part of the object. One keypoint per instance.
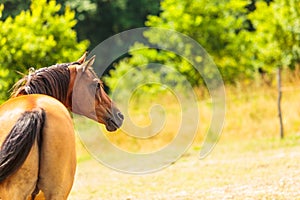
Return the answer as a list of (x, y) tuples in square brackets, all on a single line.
[(114, 122)]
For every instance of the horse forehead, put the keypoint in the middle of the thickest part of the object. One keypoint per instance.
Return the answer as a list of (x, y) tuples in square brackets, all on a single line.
[(89, 77), (92, 73)]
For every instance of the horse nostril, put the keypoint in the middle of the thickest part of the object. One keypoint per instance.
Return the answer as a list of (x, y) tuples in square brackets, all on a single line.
[(120, 115)]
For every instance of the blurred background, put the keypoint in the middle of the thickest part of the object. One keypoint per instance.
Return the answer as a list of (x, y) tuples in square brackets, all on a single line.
[(252, 42)]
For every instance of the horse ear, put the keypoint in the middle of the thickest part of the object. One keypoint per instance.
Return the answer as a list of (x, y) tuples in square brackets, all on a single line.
[(82, 58), (88, 64)]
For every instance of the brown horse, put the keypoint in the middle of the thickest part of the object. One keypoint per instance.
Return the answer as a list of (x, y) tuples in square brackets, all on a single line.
[(36, 131)]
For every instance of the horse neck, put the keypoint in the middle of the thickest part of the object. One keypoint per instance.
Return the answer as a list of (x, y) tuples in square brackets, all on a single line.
[(48, 81), (58, 84), (68, 102)]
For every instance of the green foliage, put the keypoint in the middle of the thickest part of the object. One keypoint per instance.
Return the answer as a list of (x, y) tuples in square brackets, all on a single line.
[(36, 38), (276, 41), (97, 19), (219, 26), (241, 36), (216, 25)]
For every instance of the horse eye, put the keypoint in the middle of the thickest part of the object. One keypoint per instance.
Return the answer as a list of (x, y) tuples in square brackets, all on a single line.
[(98, 85)]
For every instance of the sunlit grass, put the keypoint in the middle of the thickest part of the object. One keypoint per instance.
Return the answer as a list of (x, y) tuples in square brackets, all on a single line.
[(251, 119)]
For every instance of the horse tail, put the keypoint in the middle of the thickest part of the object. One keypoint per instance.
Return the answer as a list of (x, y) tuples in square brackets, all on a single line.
[(20, 140)]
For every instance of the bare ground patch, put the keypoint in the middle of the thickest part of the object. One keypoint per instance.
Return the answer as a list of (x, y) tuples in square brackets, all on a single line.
[(272, 173)]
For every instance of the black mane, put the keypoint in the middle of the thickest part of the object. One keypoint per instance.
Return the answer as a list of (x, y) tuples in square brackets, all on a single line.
[(52, 81)]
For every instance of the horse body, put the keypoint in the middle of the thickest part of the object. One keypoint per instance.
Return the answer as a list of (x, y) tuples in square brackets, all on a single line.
[(36, 131), (46, 167)]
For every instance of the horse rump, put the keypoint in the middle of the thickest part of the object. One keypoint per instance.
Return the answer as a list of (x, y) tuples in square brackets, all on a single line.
[(19, 141)]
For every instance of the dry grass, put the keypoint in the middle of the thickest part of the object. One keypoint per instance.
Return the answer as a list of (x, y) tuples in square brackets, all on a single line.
[(249, 161), (270, 174)]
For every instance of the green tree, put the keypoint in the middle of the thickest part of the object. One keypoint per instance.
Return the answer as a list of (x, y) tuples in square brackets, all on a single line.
[(243, 37), (276, 40), (220, 27), (97, 19), (37, 37)]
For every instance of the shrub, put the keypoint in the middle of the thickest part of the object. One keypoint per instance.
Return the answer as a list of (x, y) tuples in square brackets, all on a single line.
[(37, 37)]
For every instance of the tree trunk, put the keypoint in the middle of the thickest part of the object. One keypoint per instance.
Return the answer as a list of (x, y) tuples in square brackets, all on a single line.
[(279, 102)]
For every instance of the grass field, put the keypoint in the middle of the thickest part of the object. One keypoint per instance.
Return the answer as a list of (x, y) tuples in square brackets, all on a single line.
[(248, 162)]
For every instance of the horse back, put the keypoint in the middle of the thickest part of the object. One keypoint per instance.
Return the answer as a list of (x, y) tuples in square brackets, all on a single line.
[(50, 165)]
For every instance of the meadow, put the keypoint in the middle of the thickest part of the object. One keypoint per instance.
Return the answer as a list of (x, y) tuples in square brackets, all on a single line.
[(250, 161)]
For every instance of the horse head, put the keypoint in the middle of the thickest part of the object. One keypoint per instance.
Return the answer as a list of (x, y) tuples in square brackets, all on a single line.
[(88, 95)]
